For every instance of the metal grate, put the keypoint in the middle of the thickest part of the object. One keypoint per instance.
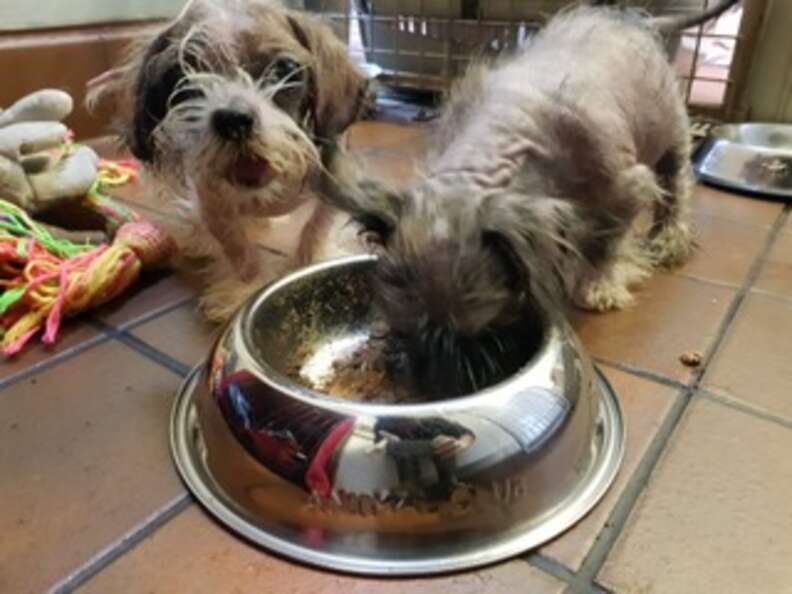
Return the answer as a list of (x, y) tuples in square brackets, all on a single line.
[(425, 44)]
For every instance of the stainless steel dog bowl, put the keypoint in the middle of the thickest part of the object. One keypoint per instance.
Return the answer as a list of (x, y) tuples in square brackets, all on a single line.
[(387, 489), (755, 158)]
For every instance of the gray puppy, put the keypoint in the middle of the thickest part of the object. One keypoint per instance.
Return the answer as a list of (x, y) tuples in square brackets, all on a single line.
[(543, 162)]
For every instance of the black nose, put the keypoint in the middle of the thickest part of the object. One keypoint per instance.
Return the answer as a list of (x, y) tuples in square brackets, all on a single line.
[(231, 124)]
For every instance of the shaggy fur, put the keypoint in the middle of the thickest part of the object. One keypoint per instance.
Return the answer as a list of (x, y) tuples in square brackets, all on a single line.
[(230, 108), (542, 165)]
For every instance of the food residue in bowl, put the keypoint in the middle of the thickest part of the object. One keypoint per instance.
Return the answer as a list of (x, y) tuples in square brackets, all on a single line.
[(358, 368)]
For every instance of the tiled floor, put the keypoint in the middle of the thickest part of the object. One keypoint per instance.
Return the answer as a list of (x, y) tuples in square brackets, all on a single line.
[(90, 502)]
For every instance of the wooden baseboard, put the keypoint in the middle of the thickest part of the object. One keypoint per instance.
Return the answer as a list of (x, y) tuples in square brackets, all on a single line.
[(64, 59)]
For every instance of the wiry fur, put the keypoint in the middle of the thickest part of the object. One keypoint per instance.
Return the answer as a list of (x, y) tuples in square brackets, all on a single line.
[(543, 163), (285, 89)]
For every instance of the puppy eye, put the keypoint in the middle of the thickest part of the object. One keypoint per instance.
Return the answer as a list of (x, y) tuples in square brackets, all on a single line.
[(375, 228), (288, 70)]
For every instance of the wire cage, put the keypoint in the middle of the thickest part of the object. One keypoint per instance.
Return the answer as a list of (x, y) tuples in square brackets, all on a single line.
[(425, 44)]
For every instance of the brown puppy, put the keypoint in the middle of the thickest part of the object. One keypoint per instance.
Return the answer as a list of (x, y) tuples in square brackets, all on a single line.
[(229, 107), (541, 166)]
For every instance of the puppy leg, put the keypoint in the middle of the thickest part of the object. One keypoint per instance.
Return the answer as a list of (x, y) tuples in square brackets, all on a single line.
[(224, 292), (609, 288), (226, 227), (312, 233), (670, 241)]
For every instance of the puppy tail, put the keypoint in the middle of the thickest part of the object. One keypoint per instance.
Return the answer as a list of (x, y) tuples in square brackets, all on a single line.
[(345, 186), (673, 24), (640, 183)]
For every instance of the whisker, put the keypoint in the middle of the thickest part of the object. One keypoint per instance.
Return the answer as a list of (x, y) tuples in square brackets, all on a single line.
[(470, 373)]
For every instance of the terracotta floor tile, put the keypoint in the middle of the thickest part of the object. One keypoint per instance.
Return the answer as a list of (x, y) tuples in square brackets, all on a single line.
[(753, 363), (397, 167), (183, 334), (715, 516), (192, 555), (736, 207), (384, 135), (73, 333), (673, 315), (776, 274), (140, 193), (108, 146), (153, 292), (84, 456), (645, 406), (283, 235), (727, 249)]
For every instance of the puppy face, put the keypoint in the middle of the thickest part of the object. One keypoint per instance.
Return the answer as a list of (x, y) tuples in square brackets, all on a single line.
[(242, 92), (462, 277)]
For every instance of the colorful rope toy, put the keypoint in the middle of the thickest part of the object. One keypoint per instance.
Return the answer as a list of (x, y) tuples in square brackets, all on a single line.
[(44, 279)]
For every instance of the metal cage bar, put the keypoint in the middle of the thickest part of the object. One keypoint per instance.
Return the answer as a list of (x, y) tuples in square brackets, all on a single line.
[(426, 44)]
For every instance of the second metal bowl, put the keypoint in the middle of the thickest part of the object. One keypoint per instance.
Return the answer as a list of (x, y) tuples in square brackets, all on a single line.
[(754, 158)]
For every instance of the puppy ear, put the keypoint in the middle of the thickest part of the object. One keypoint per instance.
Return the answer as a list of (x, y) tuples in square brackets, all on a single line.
[(147, 80), (536, 236), (340, 91), (370, 201)]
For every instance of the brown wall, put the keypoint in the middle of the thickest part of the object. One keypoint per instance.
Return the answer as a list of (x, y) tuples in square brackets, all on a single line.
[(64, 59)]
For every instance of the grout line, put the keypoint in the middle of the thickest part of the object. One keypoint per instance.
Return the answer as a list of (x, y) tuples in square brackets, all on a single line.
[(148, 351), (150, 315), (621, 512), (705, 281), (745, 407), (138, 206), (642, 373), (771, 295), (171, 217), (55, 360), (273, 251), (742, 293), (155, 355), (128, 541), (562, 573), (552, 567)]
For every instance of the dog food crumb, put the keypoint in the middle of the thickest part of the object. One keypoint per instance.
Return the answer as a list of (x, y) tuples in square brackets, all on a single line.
[(691, 359)]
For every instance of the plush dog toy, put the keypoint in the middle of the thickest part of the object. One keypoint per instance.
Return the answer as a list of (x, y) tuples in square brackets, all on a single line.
[(38, 171), (95, 249)]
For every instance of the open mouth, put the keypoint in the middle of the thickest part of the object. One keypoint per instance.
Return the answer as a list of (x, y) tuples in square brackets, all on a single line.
[(250, 171)]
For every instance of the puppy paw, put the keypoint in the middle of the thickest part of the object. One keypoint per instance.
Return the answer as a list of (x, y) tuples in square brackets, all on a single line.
[(249, 266), (249, 271), (672, 246), (603, 295), (225, 292)]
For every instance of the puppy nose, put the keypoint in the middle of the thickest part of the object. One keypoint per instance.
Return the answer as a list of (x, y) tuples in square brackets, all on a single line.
[(232, 124)]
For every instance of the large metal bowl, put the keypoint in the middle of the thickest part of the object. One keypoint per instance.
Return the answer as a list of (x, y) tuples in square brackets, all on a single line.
[(387, 489)]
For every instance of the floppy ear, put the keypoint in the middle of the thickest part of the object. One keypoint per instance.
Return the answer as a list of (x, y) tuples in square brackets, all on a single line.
[(537, 236), (340, 90), (371, 202), (144, 84)]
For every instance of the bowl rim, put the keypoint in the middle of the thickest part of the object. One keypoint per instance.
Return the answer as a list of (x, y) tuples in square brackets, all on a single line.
[(555, 329), (191, 464)]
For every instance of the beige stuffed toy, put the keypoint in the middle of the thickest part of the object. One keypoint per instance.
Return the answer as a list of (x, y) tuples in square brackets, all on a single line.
[(36, 173)]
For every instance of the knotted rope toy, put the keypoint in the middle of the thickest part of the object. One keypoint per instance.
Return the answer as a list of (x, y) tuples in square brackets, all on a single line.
[(44, 279)]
